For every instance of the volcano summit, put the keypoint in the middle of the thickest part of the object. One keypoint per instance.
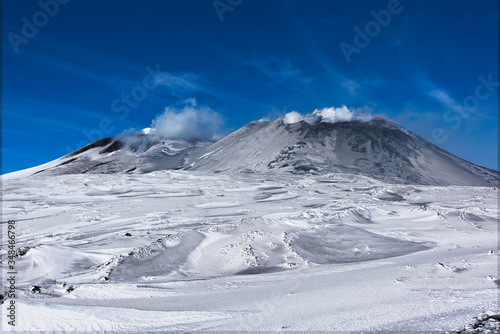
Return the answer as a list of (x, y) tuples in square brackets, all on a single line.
[(319, 143)]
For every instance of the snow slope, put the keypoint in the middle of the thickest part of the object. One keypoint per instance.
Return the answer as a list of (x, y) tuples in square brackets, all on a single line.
[(140, 153), (188, 250), (376, 148)]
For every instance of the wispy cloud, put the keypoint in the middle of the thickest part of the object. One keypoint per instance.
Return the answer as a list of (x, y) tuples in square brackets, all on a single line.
[(280, 71), (350, 85), (64, 61), (130, 75), (26, 118), (443, 97), (184, 82), (446, 100)]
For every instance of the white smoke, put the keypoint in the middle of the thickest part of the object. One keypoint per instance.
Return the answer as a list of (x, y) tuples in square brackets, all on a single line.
[(293, 117), (328, 115), (190, 121), (335, 115)]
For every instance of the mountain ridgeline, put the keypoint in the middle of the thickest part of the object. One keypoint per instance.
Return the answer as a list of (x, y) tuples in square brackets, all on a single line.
[(376, 148)]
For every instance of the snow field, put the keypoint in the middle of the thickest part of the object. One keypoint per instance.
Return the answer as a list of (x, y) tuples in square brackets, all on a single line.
[(185, 251)]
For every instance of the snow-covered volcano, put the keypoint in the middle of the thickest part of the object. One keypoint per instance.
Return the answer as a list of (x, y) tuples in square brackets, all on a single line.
[(280, 225), (373, 147), (376, 148)]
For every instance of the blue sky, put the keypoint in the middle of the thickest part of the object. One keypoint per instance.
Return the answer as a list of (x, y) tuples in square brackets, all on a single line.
[(79, 70)]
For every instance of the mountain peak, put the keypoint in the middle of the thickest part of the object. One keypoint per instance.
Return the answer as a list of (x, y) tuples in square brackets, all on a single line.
[(327, 141), (318, 143)]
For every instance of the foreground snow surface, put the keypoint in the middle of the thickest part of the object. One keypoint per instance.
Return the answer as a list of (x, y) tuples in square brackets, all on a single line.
[(188, 251)]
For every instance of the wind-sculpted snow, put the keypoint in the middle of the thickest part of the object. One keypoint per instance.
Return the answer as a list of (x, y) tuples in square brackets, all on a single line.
[(344, 244), (188, 250)]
